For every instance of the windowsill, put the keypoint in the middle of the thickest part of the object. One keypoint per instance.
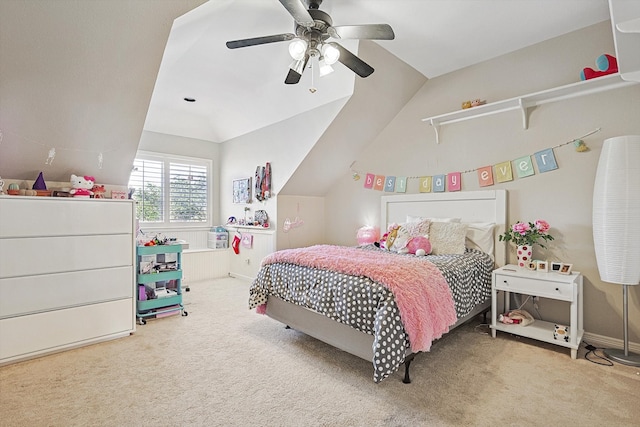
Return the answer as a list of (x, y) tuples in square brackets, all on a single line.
[(157, 228)]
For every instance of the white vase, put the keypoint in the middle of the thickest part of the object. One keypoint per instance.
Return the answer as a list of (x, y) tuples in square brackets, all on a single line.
[(524, 254)]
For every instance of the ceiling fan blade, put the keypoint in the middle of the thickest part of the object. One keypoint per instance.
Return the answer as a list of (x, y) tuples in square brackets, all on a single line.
[(298, 11), (292, 77), (352, 62), (367, 31), (296, 70), (235, 44)]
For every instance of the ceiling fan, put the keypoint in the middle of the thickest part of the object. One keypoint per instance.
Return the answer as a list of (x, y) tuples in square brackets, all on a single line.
[(313, 28)]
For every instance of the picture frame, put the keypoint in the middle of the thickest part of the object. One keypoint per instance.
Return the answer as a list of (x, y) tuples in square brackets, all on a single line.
[(242, 190), (542, 266), (555, 267), (565, 268)]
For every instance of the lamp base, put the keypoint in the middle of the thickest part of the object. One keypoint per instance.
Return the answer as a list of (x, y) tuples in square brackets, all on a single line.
[(618, 355)]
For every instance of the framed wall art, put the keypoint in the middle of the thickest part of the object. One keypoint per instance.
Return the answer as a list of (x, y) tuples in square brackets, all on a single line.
[(242, 190)]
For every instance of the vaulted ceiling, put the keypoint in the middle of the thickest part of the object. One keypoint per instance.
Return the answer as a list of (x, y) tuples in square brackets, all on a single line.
[(241, 90)]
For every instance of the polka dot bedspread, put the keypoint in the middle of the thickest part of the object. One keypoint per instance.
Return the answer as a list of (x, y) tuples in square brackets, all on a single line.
[(369, 306)]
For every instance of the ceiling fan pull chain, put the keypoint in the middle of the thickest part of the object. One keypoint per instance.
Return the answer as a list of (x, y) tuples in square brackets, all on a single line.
[(312, 89)]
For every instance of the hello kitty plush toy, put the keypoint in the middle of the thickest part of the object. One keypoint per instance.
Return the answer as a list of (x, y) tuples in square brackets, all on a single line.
[(82, 186)]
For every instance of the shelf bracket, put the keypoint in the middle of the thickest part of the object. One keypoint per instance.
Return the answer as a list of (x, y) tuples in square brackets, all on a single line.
[(436, 128), (524, 110)]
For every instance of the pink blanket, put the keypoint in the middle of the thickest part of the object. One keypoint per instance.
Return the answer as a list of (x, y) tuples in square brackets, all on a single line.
[(421, 292)]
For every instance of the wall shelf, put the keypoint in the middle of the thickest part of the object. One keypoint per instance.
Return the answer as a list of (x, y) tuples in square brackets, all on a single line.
[(526, 102), (631, 26), (625, 22)]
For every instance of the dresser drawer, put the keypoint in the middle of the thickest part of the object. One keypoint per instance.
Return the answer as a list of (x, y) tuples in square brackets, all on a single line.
[(535, 287)]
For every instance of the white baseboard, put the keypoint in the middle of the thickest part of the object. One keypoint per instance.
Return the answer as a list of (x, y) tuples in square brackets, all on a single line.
[(608, 342)]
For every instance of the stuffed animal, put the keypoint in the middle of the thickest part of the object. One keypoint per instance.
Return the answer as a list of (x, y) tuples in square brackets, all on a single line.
[(606, 64), (98, 191), (419, 246), (81, 186)]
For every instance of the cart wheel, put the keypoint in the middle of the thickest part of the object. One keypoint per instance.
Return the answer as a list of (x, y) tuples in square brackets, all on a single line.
[(142, 321), (184, 313)]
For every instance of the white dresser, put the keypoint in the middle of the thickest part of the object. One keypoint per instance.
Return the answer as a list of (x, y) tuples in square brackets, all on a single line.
[(66, 273)]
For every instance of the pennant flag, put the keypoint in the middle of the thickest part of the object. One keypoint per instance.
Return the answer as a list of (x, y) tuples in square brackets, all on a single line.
[(390, 184), (425, 184), (438, 183), (379, 182), (524, 166), (546, 160), (485, 176), (504, 172), (454, 181), (368, 180)]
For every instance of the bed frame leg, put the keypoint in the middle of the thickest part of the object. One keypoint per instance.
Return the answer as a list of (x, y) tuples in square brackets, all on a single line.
[(407, 363), (484, 315)]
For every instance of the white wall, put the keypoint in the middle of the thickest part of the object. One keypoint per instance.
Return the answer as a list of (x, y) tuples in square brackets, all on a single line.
[(305, 216), (78, 76), (284, 145), (563, 197)]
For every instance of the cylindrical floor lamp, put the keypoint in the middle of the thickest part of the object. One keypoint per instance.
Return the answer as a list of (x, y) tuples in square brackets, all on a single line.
[(616, 225)]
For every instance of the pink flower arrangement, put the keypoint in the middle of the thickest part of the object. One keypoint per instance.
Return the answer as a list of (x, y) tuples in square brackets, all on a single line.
[(527, 233)]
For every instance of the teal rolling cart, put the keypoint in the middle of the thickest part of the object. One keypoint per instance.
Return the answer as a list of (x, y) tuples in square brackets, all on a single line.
[(159, 277)]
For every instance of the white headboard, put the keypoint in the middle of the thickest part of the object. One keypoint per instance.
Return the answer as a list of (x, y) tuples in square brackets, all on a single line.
[(471, 206)]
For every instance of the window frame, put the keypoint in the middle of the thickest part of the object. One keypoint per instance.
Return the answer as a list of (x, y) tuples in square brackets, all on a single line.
[(167, 159)]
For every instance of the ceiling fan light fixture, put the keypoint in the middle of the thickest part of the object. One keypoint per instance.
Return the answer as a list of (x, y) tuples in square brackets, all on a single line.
[(297, 49), (298, 66), (330, 54), (324, 68)]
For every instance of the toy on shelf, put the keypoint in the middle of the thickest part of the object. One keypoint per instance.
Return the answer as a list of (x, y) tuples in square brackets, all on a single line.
[(473, 103), (98, 191), (82, 186), (40, 187), (13, 189), (606, 64)]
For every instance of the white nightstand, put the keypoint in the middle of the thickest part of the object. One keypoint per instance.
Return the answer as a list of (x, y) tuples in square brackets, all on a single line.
[(511, 278)]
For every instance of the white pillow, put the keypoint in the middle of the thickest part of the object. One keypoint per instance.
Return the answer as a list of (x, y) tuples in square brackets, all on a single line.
[(447, 237), (412, 218), (417, 228), (480, 236)]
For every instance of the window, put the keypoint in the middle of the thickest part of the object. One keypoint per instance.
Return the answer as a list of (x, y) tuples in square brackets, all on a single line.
[(171, 190)]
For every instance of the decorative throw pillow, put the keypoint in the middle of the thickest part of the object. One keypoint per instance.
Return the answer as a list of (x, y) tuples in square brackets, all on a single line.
[(480, 236), (401, 239), (418, 228), (447, 237)]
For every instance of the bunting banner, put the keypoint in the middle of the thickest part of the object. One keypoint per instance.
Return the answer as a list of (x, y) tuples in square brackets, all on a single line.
[(505, 171)]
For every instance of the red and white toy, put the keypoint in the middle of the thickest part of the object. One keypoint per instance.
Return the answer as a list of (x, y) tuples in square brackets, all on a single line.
[(81, 186)]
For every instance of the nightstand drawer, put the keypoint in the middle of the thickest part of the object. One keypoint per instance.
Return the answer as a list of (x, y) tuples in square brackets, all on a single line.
[(541, 288)]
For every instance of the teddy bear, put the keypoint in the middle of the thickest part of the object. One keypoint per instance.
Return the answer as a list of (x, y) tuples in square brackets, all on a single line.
[(81, 186)]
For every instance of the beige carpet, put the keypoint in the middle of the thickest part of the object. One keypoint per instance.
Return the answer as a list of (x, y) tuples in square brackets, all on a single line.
[(224, 365)]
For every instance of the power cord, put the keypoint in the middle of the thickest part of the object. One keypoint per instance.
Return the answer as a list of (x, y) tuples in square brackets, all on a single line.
[(591, 350)]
